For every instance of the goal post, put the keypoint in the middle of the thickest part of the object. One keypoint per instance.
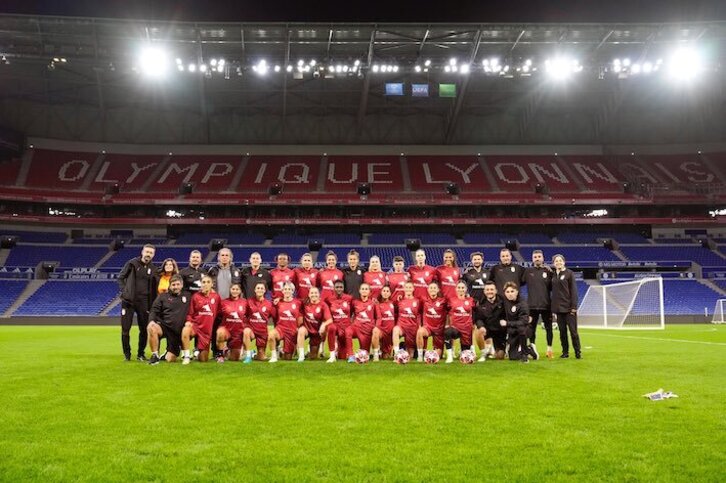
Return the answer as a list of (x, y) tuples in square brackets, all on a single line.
[(718, 312), (636, 304)]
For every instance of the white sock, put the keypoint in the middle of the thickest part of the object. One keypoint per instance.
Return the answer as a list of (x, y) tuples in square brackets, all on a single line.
[(185, 353), (301, 352), (450, 353), (155, 353)]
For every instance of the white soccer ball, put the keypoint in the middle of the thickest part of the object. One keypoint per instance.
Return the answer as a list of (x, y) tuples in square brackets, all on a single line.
[(402, 357), (431, 357), (467, 357), (362, 356)]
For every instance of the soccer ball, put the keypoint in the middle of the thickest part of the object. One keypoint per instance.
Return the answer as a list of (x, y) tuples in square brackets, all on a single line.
[(362, 356), (467, 357), (431, 357), (402, 357)]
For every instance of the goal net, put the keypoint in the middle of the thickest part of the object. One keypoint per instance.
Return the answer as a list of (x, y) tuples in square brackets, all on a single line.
[(718, 312), (637, 304)]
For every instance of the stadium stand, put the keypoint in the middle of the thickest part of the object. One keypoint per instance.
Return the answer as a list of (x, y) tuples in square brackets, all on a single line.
[(698, 254), (35, 236), (574, 253), (180, 254), (399, 238), (68, 256), (69, 298), (9, 291)]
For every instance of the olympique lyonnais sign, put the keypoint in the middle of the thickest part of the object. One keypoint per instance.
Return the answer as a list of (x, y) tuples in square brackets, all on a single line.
[(81, 273)]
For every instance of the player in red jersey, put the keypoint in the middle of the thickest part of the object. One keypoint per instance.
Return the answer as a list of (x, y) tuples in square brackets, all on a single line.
[(409, 319), (306, 276), (316, 320), (421, 275), (397, 278), (281, 275), (375, 277), (364, 320), (259, 313), (434, 321), (385, 321), (289, 319), (459, 324), (448, 274), (340, 304), (329, 275), (203, 309), (234, 315)]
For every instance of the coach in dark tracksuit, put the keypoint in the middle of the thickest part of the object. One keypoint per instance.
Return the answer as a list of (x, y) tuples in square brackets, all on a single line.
[(192, 274), (353, 275), (516, 315), (564, 306), (138, 281), (476, 276), (505, 271), (166, 320), (487, 315), (255, 274), (539, 284)]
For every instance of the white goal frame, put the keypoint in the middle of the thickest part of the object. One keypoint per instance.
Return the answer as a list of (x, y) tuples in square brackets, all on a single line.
[(718, 312), (583, 318)]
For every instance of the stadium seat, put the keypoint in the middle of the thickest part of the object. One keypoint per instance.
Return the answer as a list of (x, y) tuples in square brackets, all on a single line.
[(70, 298)]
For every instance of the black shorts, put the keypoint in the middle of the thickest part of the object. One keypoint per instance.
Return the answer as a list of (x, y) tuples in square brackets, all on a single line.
[(498, 337), (173, 339)]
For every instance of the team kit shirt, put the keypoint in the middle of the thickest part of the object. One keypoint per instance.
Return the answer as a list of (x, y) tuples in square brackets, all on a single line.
[(539, 286), (397, 280), (461, 317), (434, 314), (280, 276), (475, 280), (448, 277), (314, 315), (502, 274), (327, 278), (386, 316), (421, 278), (288, 314), (259, 314), (304, 281), (203, 310), (364, 314), (409, 313), (234, 316), (340, 308), (376, 280)]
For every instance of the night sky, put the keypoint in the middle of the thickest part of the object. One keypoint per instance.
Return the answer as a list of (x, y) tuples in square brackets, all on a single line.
[(390, 11)]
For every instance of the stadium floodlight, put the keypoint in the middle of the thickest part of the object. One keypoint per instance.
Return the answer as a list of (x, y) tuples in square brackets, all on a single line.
[(192, 67), (300, 63), (427, 63), (356, 63), (203, 68), (277, 68), (647, 67), (213, 62), (338, 68), (447, 68), (375, 68), (288, 68), (261, 67), (452, 61), (626, 62), (685, 64), (313, 62), (562, 68), (465, 68), (417, 68), (395, 68), (153, 62)]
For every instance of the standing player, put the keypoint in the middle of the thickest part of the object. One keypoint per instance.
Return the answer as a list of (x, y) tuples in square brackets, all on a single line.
[(421, 275), (166, 320), (506, 271), (448, 274), (289, 318), (539, 285), (255, 274), (517, 322), (340, 304), (353, 274), (260, 312), (364, 320), (476, 276), (564, 306), (397, 278), (306, 277), (192, 275), (385, 320), (374, 277), (316, 320), (490, 336), (234, 317), (409, 319), (434, 319), (224, 275), (203, 309), (281, 275), (138, 291), (329, 275), (460, 321)]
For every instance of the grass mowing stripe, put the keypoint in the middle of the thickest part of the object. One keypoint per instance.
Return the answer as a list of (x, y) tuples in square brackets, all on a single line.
[(657, 338)]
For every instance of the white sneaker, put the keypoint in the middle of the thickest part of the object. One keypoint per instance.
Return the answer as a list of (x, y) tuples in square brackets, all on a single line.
[(483, 357), (376, 357), (449, 360), (186, 361), (301, 359), (272, 359), (333, 357)]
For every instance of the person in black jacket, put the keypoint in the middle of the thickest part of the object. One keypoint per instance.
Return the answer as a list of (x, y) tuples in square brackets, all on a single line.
[(353, 274), (138, 281), (476, 276), (539, 284), (516, 316), (166, 320), (192, 275), (490, 336), (564, 306), (505, 271), (255, 274)]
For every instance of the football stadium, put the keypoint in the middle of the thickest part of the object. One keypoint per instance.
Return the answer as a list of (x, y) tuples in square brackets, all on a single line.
[(362, 251)]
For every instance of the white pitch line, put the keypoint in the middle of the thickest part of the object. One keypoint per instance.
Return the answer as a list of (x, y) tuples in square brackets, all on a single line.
[(657, 338)]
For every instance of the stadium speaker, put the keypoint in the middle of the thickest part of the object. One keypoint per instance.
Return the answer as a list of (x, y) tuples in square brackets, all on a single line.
[(186, 189), (412, 244), (364, 189), (315, 244), (610, 244), (8, 241), (275, 189), (511, 245), (216, 245), (48, 267), (117, 244), (452, 189), (541, 189), (628, 187), (112, 189)]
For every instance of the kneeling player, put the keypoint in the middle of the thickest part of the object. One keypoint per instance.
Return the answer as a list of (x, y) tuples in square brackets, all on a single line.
[(316, 320), (460, 321), (409, 319), (340, 304), (288, 320), (434, 320), (364, 320), (166, 320), (203, 310), (259, 313), (490, 336), (385, 320), (234, 316), (517, 323)]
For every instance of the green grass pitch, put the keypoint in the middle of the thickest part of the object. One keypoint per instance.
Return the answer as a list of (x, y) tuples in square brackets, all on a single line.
[(72, 410)]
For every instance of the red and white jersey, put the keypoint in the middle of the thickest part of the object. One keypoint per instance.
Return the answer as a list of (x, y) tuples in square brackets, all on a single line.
[(340, 308), (288, 313), (386, 314), (460, 312), (203, 309), (397, 280), (234, 311), (409, 312), (377, 280), (421, 278), (327, 278), (314, 315), (280, 276), (448, 277), (364, 313), (259, 311), (434, 312), (304, 281)]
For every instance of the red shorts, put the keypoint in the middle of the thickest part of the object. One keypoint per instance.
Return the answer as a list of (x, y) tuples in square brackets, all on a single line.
[(409, 335), (235, 330), (336, 335), (260, 333), (437, 333), (465, 334), (313, 333), (361, 332), (203, 333), (386, 338), (288, 335)]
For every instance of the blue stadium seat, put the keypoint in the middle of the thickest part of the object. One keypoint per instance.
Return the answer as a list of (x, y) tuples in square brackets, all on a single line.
[(70, 297), (180, 254), (68, 256), (696, 253), (35, 236), (9, 291), (573, 253)]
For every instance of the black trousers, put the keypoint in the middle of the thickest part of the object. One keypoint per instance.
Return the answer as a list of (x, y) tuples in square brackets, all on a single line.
[(546, 316), (141, 309), (518, 347), (567, 321)]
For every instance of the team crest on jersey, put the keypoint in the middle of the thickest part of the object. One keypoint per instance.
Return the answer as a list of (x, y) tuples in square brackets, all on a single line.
[(259, 274), (123, 311), (544, 274), (317, 310), (240, 308), (562, 277), (184, 299), (345, 304), (514, 308), (512, 269), (359, 272), (466, 303), (438, 304), (236, 273), (415, 304), (426, 274), (212, 301), (294, 306), (264, 309), (148, 271)]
